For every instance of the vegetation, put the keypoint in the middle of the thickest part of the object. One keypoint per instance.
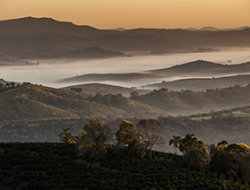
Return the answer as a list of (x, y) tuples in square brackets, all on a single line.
[(34, 102), (176, 142), (128, 164), (66, 136), (94, 138)]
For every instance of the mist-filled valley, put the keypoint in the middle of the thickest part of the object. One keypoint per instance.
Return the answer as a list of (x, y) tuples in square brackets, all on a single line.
[(49, 72), (120, 105)]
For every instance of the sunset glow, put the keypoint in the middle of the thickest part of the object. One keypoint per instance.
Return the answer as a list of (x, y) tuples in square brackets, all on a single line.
[(128, 14)]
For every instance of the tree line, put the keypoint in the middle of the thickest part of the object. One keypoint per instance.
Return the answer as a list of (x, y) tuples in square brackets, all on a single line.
[(136, 141)]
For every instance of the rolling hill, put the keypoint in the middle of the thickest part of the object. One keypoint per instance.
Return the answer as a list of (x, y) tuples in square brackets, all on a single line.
[(93, 88), (201, 68), (33, 102), (198, 69), (197, 84), (124, 77)]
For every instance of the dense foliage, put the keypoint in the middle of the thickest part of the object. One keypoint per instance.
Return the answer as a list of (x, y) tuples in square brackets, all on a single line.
[(25, 166)]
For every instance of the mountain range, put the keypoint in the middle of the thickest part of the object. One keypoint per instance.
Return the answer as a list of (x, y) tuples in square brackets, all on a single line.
[(48, 38)]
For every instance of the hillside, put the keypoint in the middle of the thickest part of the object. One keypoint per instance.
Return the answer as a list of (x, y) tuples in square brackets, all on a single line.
[(197, 84), (201, 68), (52, 46), (36, 102), (93, 88), (188, 102), (196, 69), (33, 102), (29, 26), (57, 165), (124, 77)]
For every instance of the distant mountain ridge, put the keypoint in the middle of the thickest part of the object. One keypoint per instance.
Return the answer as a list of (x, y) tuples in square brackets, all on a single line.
[(211, 28), (44, 36), (34, 26)]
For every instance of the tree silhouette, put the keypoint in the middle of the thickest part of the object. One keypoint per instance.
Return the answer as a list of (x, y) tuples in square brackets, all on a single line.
[(151, 129), (94, 138), (129, 136), (190, 141), (66, 136), (196, 158), (176, 142)]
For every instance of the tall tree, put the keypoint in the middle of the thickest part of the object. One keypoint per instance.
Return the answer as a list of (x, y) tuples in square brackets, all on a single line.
[(94, 138), (196, 158), (151, 129), (190, 141), (127, 135), (176, 142), (66, 137)]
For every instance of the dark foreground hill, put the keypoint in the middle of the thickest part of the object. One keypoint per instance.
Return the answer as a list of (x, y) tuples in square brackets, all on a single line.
[(29, 166)]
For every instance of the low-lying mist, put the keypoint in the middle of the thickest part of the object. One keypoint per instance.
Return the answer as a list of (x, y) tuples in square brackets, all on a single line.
[(48, 72)]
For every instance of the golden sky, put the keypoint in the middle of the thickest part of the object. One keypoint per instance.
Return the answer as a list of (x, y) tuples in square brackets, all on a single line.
[(107, 14)]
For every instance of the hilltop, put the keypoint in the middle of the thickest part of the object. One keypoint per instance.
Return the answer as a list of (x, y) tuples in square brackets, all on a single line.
[(124, 77), (93, 88), (198, 68), (201, 68), (196, 84)]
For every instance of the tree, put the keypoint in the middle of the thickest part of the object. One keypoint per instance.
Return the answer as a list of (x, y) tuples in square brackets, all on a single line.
[(222, 162), (76, 89), (190, 141), (127, 135), (245, 168), (66, 136), (176, 142), (151, 128), (222, 145), (196, 158), (134, 95), (94, 138)]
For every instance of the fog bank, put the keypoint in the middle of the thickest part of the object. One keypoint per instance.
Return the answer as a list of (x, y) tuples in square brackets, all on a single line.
[(49, 72)]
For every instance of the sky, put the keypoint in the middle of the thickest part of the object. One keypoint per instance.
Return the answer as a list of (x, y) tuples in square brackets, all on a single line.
[(111, 14)]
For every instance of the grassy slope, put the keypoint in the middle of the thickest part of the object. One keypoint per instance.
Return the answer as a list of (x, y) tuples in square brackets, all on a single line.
[(37, 102), (33, 102), (189, 102)]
